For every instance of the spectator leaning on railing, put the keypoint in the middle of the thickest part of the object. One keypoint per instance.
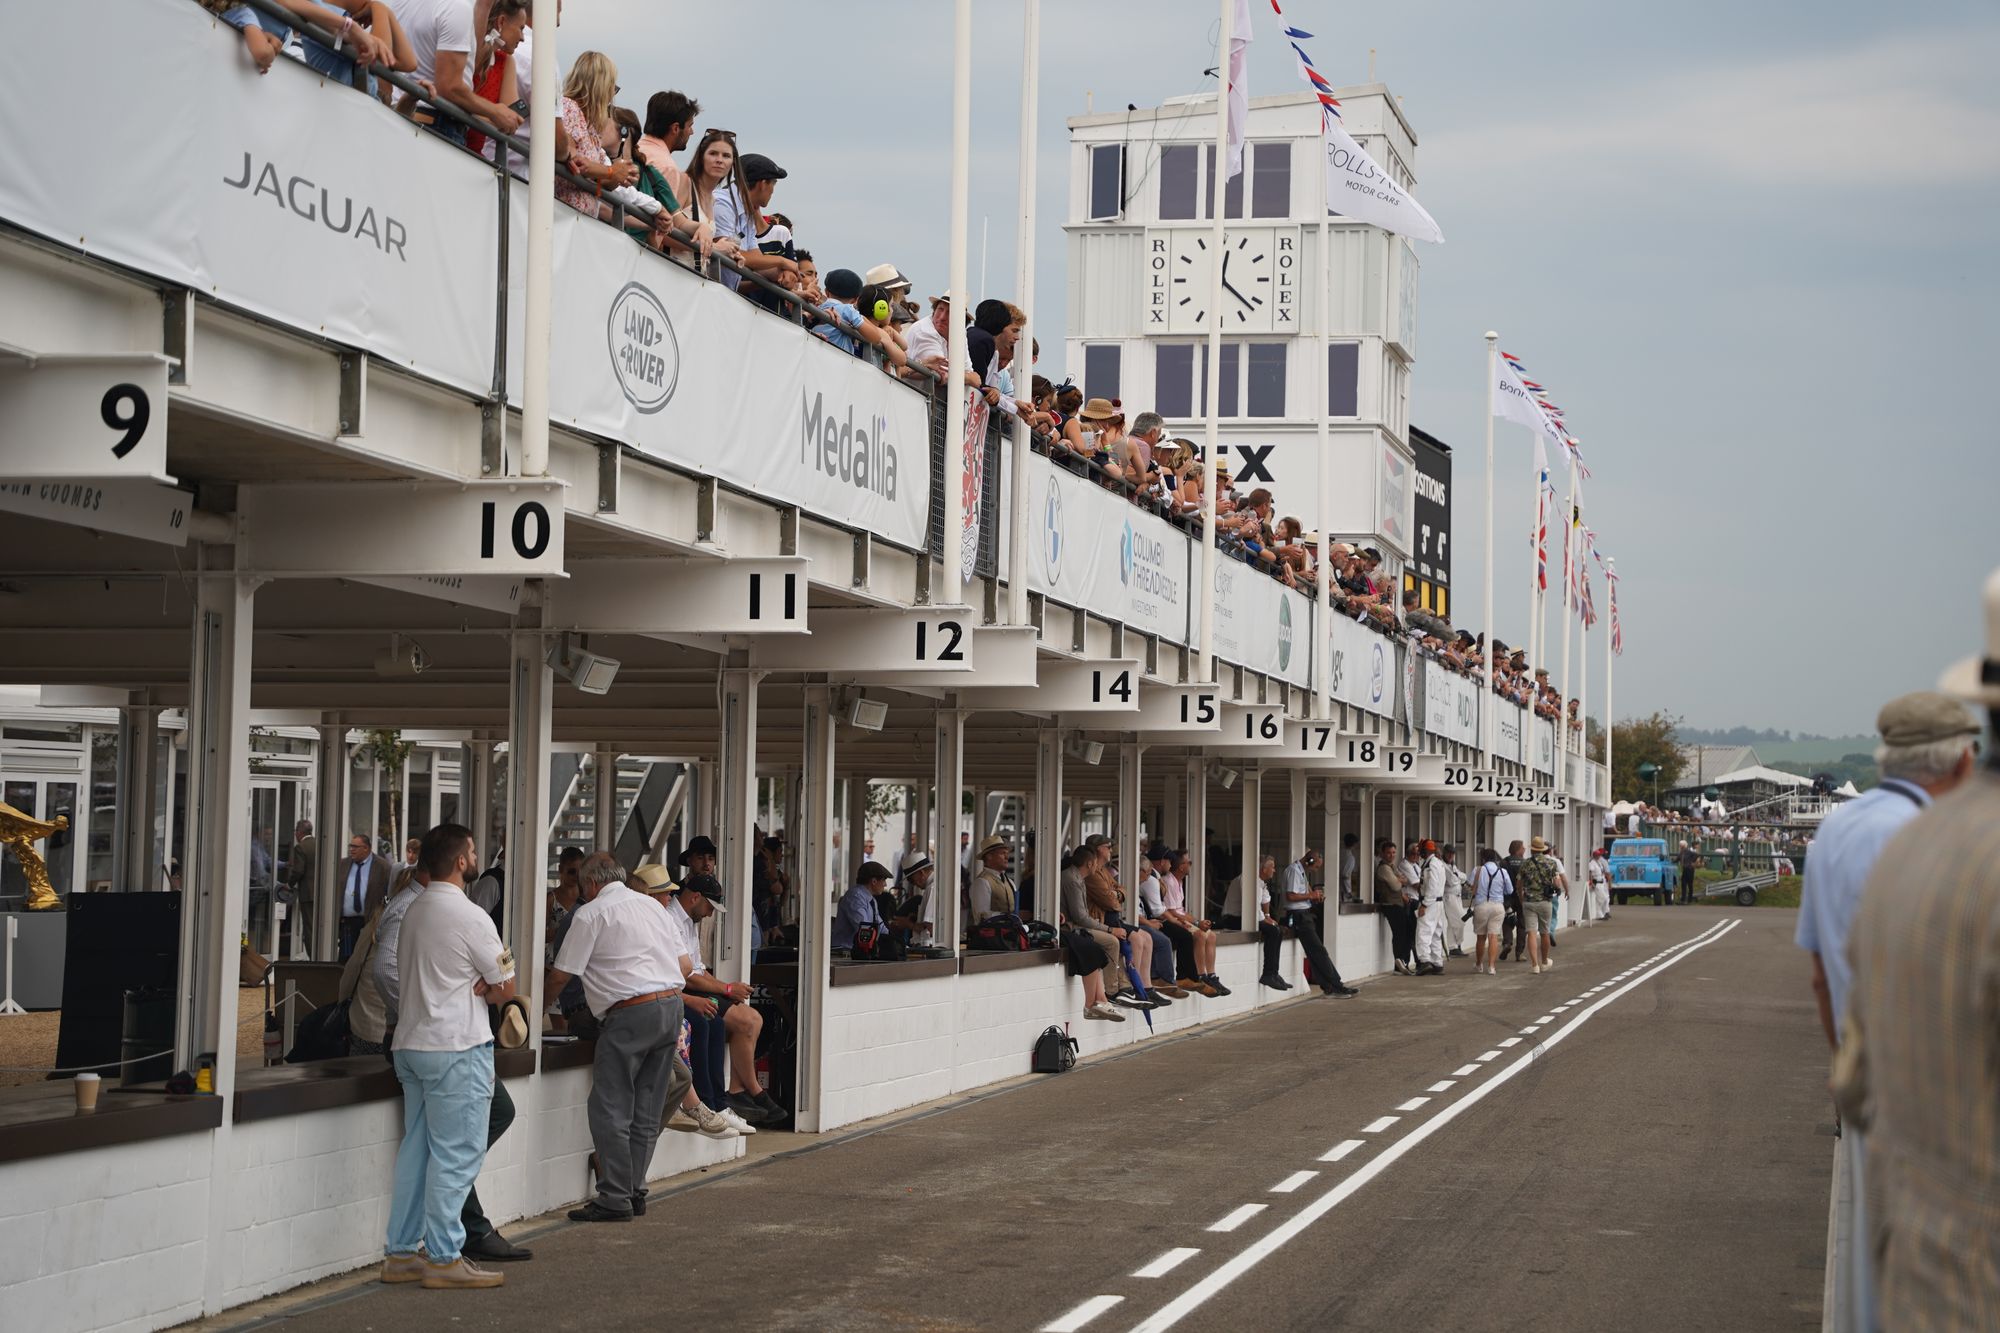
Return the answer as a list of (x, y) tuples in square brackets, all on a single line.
[(264, 37)]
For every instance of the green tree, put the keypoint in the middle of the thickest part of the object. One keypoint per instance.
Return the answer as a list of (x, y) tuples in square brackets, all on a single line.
[(1643, 740), (386, 746)]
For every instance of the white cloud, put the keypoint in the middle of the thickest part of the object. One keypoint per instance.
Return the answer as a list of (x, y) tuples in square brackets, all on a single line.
[(1913, 111)]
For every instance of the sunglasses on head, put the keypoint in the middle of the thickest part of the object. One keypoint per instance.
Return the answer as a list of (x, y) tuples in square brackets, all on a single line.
[(722, 134)]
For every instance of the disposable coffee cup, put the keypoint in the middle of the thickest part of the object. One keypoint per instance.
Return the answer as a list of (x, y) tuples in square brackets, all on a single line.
[(86, 1091)]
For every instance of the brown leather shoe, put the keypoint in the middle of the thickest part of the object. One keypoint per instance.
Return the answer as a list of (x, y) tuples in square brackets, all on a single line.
[(459, 1274), (402, 1268)]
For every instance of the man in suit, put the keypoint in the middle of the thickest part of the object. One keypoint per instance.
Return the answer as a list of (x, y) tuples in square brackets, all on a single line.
[(364, 885), (299, 879)]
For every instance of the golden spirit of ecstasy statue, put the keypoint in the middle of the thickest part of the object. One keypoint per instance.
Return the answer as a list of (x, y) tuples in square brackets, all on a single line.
[(18, 834)]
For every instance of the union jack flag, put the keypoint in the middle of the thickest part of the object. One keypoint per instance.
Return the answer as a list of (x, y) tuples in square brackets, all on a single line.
[(1329, 106)]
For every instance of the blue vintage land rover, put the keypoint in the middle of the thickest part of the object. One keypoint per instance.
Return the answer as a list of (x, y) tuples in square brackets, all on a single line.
[(1642, 868)]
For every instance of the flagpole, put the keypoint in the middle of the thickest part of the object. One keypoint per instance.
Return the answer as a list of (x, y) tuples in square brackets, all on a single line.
[(1324, 576), (1024, 293), (1583, 676), (954, 387), (1571, 533), (1219, 188), (1486, 708), (1610, 718)]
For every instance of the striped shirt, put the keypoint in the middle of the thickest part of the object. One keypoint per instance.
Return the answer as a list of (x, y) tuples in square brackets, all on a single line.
[(1921, 1062)]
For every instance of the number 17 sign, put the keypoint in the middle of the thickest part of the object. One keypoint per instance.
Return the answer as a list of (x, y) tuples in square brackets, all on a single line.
[(87, 418)]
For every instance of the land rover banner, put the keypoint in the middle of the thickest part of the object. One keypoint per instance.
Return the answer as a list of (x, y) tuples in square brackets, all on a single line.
[(778, 413)]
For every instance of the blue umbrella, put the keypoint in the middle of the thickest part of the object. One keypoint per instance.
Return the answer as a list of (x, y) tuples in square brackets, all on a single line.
[(1138, 983)]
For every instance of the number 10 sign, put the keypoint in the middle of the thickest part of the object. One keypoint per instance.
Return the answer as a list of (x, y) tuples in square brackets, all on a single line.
[(87, 418)]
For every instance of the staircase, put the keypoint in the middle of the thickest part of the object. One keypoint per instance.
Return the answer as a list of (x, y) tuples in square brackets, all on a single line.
[(652, 788)]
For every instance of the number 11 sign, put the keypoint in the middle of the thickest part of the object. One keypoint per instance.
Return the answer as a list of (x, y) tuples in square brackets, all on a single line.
[(86, 418)]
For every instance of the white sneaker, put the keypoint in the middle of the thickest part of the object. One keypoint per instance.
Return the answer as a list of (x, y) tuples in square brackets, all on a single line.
[(713, 1125), (736, 1122), (1536, 969), (682, 1121), (1549, 966)]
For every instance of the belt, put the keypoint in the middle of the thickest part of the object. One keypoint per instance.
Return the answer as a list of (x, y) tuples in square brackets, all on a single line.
[(647, 998)]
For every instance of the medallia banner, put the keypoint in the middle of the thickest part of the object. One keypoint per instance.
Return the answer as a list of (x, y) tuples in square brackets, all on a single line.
[(649, 353), (305, 203)]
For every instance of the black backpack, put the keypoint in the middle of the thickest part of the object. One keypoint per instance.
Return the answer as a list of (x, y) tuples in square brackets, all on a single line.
[(1055, 1051), (320, 1035)]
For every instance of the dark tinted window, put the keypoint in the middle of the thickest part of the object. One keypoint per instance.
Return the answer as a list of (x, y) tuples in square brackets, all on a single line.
[(1270, 181), (1173, 380), (1107, 181), (1232, 363), (1266, 390), (1177, 182), (1343, 379), (1100, 370), (1235, 197)]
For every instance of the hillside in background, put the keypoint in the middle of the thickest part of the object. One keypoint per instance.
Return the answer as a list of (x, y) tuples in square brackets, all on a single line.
[(1847, 758)]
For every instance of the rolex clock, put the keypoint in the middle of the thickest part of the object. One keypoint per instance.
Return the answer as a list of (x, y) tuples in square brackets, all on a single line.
[(1260, 272)]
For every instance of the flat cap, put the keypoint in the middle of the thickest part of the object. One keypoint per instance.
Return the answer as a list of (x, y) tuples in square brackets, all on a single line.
[(1923, 717)]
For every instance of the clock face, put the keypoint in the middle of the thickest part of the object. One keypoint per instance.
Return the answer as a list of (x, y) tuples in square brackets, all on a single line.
[(1259, 279)]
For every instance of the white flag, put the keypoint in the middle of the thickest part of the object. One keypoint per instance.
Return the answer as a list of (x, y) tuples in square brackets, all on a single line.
[(1239, 88), (1357, 188), (1511, 399)]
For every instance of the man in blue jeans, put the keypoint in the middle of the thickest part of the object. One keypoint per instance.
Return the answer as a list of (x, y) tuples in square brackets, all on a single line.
[(451, 965)]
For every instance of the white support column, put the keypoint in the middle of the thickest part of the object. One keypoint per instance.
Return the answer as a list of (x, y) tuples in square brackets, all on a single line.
[(948, 776), (604, 797), (705, 795), (1250, 788), (1299, 837), (1364, 796), (1048, 821), (1172, 831), (217, 840), (530, 689), (1197, 834), (853, 848), (1330, 850), (137, 866), (736, 793), (816, 897), (475, 793), (1126, 825), (329, 837)]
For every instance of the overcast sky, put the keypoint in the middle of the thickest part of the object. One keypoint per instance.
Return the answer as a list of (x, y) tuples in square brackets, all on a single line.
[(1750, 249)]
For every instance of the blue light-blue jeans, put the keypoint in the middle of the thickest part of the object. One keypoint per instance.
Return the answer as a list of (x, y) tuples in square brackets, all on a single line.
[(446, 1096)]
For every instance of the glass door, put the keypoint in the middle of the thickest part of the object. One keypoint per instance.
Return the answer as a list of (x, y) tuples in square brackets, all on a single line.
[(260, 908), (41, 798)]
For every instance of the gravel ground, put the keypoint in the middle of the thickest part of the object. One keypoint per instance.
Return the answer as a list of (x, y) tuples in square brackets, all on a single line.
[(29, 1040)]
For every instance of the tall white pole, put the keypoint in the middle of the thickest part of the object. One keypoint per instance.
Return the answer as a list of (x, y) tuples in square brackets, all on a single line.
[(1571, 532), (1610, 718), (1024, 294), (1219, 183), (955, 391), (536, 316), (1320, 408), (1487, 709)]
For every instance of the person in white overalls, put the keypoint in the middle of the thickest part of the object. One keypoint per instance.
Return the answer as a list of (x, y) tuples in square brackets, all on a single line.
[(1432, 884), (1600, 885)]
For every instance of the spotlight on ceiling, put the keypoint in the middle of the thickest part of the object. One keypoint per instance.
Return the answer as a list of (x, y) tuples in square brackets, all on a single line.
[(590, 672)]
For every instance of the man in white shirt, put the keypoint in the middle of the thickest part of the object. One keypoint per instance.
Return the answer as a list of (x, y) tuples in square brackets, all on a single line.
[(929, 338), (1600, 884), (441, 36), (451, 964), (623, 948), (1294, 899)]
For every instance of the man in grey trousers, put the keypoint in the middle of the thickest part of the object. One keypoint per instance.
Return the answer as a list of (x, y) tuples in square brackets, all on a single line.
[(622, 946)]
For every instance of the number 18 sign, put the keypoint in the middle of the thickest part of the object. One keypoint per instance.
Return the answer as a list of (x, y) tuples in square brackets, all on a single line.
[(88, 418)]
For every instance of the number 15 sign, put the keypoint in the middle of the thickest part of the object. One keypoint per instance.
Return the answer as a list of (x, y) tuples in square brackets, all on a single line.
[(87, 418)]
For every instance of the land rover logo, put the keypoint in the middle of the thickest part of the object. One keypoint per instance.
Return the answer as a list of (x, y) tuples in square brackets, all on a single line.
[(1052, 533), (645, 356), (1284, 633), (1378, 676)]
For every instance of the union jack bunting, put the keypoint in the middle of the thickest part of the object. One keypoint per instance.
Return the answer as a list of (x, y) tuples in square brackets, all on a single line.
[(1329, 106)]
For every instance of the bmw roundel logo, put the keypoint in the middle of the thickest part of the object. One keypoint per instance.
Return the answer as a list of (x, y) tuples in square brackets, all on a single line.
[(1378, 676), (1052, 533)]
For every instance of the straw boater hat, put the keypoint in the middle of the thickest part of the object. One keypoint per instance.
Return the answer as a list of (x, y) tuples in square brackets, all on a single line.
[(1098, 409), (1538, 844), (1977, 679)]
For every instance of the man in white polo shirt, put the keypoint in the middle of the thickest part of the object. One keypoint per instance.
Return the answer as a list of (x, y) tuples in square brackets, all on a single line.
[(451, 964), (626, 952)]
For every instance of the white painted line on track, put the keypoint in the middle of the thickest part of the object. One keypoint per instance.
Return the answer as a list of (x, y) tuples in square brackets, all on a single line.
[(1377, 1126), (1490, 1055), (1291, 1183), (1285, 1232), (1560, 1008), (1444, 1085), (1340, 1150), (1546, 1018), (1463, 1070), (1510, 1041), (1237, 1217), (1167, 1262), (1532, 1027), (1413, 1104), (1081, 1315)]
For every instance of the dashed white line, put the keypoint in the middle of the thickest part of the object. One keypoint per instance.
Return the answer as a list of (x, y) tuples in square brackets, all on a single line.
[(1340, 1150), (1443, 1085), (1510, 1041), (1532, 1027), (1377, 1126), (1291, 1183), (1559, 1009), (1490, 1055), (1414, 1103), (1237, 1217), (1167, 1262), (1463, 1070), (1546, 1018), (1278, 1237), (1081, 1315)]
